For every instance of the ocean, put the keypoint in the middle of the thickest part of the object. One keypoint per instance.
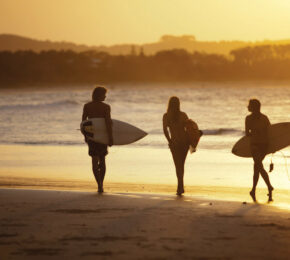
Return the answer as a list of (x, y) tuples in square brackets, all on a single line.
[(50, 117)]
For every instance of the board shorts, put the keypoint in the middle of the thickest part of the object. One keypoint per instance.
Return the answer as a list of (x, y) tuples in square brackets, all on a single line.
[(97, 149), (259, 151)]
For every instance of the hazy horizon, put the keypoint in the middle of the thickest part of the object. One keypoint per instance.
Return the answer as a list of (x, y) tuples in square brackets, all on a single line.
[(138, 22), (158, 40), (144, 43)]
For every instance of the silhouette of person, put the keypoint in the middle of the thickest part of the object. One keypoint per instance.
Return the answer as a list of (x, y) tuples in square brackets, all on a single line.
[(174, 120), (257, 125), (98, 109)]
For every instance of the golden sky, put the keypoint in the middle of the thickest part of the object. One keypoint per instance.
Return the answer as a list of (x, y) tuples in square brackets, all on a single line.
[(96, 22)]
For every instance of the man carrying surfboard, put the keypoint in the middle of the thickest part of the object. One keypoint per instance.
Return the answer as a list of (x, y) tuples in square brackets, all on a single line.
[(98, 109), (257, 126)]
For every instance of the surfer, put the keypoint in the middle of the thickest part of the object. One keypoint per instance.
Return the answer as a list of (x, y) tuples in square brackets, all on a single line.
[(257, 125), (175, 121), (98, 109)]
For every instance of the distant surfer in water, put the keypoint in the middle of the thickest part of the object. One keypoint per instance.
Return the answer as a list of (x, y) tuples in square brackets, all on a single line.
[(257, 125), (98, 109), (175, 121)]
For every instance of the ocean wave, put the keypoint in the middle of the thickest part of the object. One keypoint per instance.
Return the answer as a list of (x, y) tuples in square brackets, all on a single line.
[(69, 143), (55, 104), (218, 131), (223, 131), (156, 132)]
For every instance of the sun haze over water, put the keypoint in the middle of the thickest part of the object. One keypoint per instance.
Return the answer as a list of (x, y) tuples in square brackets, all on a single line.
[(108, 22)]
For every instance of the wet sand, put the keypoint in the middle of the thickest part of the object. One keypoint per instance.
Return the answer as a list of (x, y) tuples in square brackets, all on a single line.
[(50, 224)]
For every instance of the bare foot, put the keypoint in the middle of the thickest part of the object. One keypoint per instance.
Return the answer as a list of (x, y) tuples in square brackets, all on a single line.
[(270, 194), (253, 195), (179, 192)]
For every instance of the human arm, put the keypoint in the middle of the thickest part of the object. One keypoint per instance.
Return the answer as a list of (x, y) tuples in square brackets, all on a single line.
[(184, 119), (85, 113), (268, 122), (84, 117), (247, 127), (109, 124), (165, 128)]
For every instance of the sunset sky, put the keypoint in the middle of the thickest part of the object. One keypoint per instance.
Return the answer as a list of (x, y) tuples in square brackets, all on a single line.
[(96, 22)]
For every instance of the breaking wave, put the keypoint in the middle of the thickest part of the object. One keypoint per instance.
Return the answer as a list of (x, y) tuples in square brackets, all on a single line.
[(55, 104), (218, 131)]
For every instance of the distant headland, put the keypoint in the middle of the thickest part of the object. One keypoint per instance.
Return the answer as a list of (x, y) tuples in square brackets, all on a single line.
[(28, 62), (10, 42)]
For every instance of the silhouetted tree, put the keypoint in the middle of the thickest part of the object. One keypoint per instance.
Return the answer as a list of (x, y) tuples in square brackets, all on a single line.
[(259, 62)]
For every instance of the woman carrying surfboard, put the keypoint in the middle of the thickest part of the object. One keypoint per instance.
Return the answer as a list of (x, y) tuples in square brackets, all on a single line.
[(257, 126), (98, 109), (177, 123)]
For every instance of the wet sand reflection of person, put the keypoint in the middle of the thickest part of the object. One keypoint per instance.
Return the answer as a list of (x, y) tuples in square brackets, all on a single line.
[(257, 125), (174, 121), (98, 109)]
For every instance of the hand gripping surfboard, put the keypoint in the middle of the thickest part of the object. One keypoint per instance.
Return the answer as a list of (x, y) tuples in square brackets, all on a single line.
[(123, 133), (279, 138)]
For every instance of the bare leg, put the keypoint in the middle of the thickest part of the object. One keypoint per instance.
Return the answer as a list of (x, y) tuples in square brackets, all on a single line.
[(102, 167), (175, 160), (265, 176), (97, 172), (181, 174), (179, 157), (258, 157), (255, 182)]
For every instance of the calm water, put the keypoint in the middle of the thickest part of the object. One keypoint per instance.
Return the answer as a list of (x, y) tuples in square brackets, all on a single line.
[(39, 135), (52, 116)]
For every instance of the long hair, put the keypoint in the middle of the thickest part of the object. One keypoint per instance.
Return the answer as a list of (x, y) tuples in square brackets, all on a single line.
[(173, 109)]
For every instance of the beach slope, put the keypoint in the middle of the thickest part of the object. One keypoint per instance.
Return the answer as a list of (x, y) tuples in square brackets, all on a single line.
[(39, 224)]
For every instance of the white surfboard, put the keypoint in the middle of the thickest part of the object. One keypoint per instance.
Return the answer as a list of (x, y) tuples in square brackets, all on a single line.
[(123, 133), (279, 138)]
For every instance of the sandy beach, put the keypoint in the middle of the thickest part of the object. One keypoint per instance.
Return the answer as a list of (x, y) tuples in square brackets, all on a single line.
[(50, 224), (49, 207), (145, 80)]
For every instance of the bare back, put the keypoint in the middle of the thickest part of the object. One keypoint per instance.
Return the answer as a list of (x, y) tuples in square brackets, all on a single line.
[(95, 110), (257, 128), (176, 128)]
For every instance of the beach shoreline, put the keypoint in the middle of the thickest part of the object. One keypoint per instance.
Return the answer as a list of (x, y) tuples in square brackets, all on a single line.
[(143, 165), (226, 193), (126, 225)]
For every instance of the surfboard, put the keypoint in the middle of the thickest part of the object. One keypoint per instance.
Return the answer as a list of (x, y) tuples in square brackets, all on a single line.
[(123, 133), (279, 138), (193, 134)]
